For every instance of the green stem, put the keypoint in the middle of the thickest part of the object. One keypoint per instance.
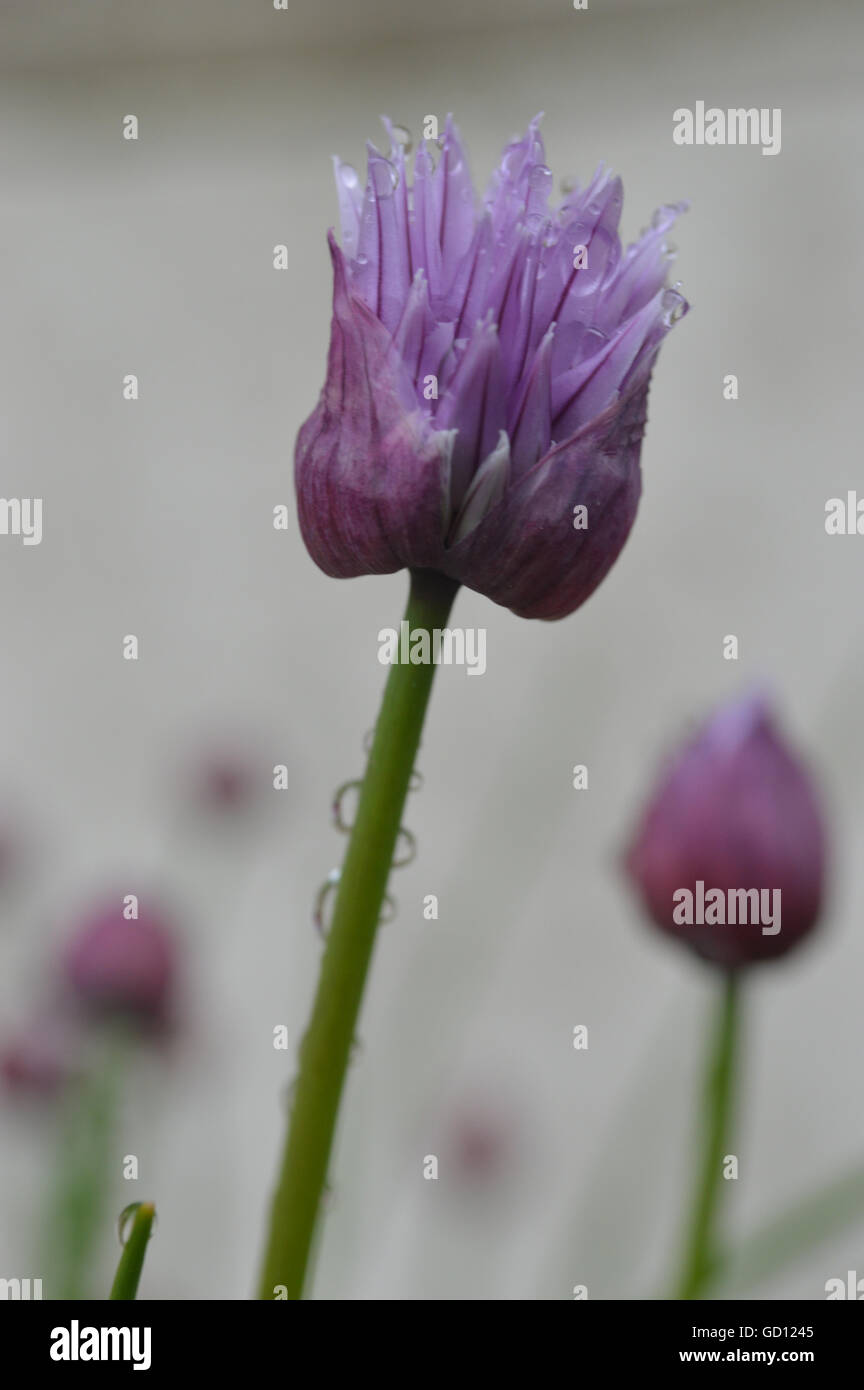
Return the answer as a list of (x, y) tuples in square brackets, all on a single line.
[(701, 1246), (128, 1274), (83, 1169), (326, 1046)]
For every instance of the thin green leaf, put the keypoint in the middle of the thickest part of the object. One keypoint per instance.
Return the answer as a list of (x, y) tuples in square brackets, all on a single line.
[(128, 1274), (794, 1233)]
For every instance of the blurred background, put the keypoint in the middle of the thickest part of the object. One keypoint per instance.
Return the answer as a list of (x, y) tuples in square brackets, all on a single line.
[(155, 258)]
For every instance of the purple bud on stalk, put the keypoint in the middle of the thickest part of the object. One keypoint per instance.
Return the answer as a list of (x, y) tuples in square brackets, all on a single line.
[(123, 968), (734, 830), (487, 380)]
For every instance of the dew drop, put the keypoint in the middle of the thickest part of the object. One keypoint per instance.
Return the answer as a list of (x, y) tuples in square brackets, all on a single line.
[(406, 849), (343, 795), (512, 162), (323, 902), (349, 176), (674, 307), (540, 177), (362, 260), (384, 178), (126, 1220), (402, 137)]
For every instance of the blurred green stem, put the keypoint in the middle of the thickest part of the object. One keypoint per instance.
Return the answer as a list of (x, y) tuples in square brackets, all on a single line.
[(326, 1046), (131, 1263), (83, 1171), (700, 1254)]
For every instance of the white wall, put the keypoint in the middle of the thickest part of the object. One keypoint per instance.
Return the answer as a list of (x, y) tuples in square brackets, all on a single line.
[(155, 258)]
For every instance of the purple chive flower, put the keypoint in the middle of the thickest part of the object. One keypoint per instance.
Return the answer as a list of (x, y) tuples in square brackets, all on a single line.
[(488, 374), (121, 968), (735, 810)]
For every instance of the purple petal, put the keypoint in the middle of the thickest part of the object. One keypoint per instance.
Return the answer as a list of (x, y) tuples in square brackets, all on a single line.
[(487, 488), (370, 474), (474, 406), (532, 426), (526, 553)]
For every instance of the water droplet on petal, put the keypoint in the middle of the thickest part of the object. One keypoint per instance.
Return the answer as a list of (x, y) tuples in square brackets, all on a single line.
[(402, 137), (674, 307), (343, 796), (324, 900), (406, 849), (384, 178), (362, 260), (349, 176), (512, 162), (540, 177)]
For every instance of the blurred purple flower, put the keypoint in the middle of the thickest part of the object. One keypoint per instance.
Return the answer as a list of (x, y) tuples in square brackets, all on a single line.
[(488, 374), (737, 811), (42, 1056), (125, 968), (481, 1143), (224, 784)]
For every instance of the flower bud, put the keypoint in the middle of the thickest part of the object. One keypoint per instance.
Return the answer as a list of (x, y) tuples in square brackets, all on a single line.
[(729, 855), (125, 968)]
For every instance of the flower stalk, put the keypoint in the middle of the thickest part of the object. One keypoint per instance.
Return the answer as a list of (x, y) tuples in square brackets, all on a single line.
[(83, 1178), (326, 1046), (701, 1261)]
